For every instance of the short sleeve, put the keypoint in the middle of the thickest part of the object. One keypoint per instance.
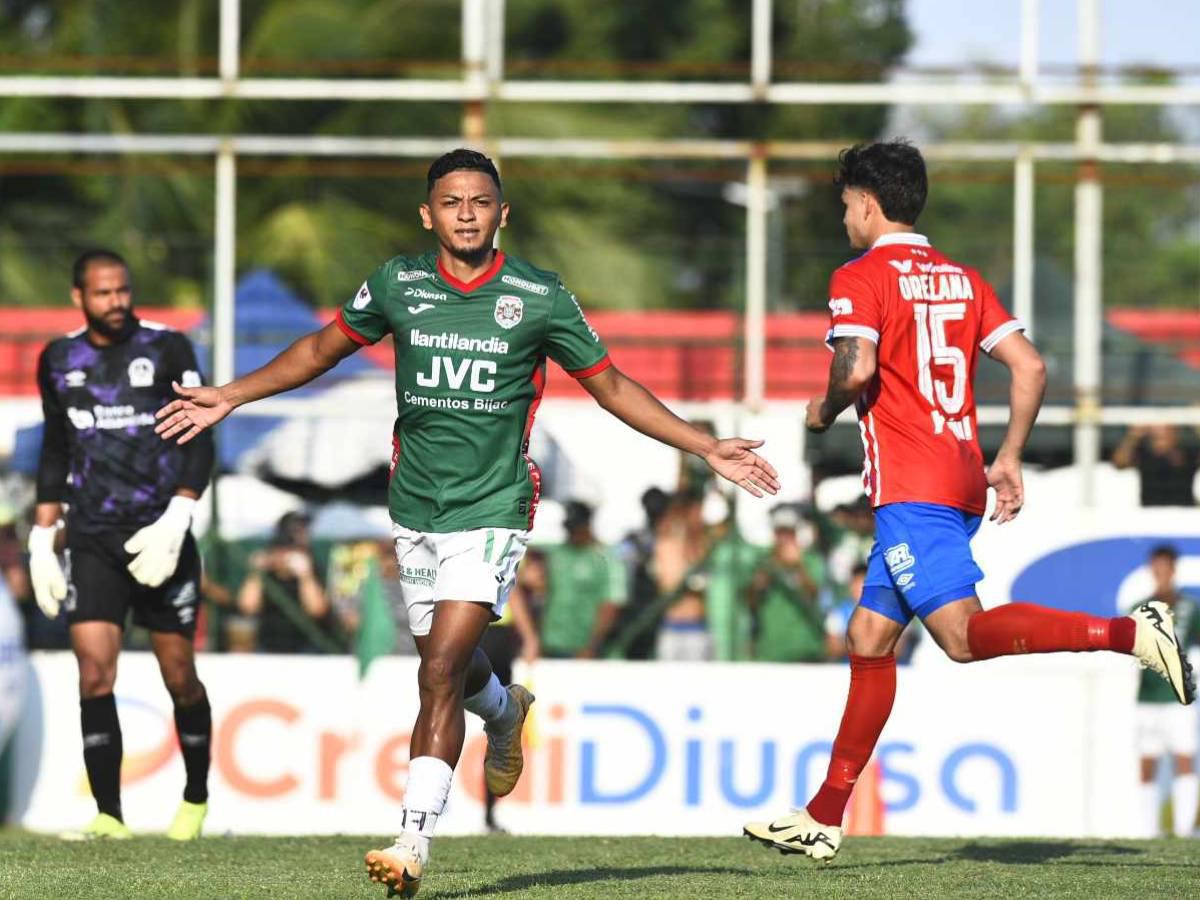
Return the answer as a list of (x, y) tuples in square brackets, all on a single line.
[(617, 591), (854, 309), (362, 318), (570, 341), (995, 322), (181, 362)]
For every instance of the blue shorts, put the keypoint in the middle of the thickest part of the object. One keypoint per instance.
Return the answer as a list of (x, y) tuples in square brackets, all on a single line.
[(921, 560)]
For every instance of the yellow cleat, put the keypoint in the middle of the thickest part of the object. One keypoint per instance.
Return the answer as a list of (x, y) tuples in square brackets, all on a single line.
[(505, 758), (399, 867), (188, 821), (103, 826)]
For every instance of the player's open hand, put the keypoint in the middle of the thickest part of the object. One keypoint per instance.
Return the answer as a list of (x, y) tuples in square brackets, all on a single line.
[(197, 409), (735, 460), (1004, 477)]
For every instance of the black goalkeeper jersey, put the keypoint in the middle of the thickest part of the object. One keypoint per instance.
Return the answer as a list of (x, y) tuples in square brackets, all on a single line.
[(100, 454)]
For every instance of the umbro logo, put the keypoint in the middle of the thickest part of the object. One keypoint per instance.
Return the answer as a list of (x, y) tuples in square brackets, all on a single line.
[(420, 309), (903, 266)]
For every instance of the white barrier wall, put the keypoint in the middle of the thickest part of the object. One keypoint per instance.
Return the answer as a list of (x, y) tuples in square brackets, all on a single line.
[(1016, 747)]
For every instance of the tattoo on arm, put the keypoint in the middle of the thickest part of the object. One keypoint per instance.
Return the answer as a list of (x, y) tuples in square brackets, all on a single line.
[(840, 394)]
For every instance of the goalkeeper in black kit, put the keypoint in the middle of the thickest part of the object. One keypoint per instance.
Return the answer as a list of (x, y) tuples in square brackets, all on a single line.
[(128, 500)]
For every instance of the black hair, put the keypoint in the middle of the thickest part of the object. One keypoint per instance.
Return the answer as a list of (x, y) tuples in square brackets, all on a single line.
[(1167, 550), (859, 569), (892, 171), (96, 255), (458, 160)]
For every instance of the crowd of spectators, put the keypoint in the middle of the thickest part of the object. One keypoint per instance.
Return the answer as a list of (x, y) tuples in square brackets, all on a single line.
[(683, 586)]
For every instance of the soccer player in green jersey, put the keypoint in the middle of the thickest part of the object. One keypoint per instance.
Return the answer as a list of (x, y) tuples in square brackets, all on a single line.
[(473, 328)]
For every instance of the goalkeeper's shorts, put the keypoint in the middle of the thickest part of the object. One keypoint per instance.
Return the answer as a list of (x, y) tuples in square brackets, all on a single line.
[(101, 589), (476, 566)]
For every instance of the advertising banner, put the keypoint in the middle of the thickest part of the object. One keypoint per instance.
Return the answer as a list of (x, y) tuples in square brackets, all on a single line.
[(301, 746)]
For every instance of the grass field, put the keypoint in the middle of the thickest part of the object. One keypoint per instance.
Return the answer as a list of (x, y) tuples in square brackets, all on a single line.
[(642, 868)]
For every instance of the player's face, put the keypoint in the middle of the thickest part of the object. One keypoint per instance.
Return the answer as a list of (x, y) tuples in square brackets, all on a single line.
[(857, 217), (1162, 568), (465, 210), (106, 298)]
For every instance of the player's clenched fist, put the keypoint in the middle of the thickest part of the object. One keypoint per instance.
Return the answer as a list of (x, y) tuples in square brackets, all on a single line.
[(199, 408)]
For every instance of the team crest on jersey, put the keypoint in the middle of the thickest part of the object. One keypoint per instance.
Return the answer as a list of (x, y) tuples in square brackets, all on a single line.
[(141, 372), (509, 311)]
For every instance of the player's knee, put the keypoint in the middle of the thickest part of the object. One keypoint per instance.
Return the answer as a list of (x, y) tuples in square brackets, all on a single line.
[(438, 675), (96, 677), (864, 640), (183, 685), (959, 652)]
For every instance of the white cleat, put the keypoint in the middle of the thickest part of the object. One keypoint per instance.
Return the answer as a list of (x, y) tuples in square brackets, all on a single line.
[(1157, 648), (399, 867), (797, 833)]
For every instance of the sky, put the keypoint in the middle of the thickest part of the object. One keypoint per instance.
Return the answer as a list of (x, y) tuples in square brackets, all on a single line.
[(953, 32)]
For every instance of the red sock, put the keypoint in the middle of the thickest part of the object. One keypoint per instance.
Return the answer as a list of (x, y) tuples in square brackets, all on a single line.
[(872, 690), (1025, 628)]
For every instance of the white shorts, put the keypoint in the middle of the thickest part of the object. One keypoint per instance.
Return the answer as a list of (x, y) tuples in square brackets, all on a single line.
[(1166, 728), (478, 566)]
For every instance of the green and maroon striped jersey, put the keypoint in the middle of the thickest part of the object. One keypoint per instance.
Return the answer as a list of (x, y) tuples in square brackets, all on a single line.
[(470, 368)]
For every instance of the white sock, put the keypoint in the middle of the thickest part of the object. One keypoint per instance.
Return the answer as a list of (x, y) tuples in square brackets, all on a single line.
[(1151, 805), (490, 703), (1185, 795), (424, 798)]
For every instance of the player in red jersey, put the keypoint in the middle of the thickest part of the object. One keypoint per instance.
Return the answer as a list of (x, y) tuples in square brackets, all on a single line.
[(908, 325)]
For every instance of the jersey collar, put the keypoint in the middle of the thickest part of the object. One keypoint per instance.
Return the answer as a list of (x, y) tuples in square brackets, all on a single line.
[(469, 286), (908, 238)]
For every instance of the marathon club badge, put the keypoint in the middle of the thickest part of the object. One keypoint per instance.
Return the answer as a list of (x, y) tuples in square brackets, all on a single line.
[(509, 310)]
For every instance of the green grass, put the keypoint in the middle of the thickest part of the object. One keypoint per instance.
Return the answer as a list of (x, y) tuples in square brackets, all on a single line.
[(641, 868)]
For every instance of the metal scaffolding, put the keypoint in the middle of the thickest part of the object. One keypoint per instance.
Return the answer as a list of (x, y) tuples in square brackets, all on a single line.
[(483, 80)]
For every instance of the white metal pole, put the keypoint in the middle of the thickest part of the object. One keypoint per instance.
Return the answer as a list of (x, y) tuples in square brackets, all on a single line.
[(495, 41), (1023, 258), (223, 265), (756, 280), (760, 48), (474, 40), (1089, 309), (1029, 43), (230, 38)]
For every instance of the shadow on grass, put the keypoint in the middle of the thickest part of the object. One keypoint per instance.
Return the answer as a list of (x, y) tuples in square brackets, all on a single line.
[(1038, 852), (581, 876)]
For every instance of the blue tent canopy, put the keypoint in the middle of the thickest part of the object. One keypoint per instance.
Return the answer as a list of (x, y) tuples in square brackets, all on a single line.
[(268, 317)]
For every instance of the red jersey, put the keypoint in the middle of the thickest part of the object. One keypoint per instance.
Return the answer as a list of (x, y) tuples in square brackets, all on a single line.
[(930, 317)]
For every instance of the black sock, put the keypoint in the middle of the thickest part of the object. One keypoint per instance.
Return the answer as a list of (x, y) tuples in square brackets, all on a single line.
[(102, 751), (194, 726)]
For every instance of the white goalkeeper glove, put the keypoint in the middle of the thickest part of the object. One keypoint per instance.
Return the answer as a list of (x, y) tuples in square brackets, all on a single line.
[(156, 547), (49, 583)]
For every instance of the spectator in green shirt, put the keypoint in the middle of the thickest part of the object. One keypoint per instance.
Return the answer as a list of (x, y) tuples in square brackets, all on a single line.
[(586, 588), (1165, 728), (785, 594)]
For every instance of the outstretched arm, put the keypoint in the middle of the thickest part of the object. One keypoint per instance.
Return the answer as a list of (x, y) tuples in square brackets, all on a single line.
[(1028, 373), (853, 367), (732, 459), (202, 407)]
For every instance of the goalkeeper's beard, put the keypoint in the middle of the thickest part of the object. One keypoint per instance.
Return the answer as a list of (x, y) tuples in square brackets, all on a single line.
[(110, 326)]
